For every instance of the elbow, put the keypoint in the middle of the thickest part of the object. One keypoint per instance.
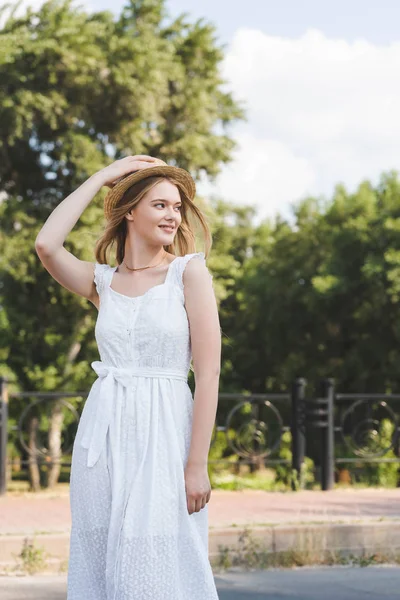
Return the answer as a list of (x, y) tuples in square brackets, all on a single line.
[(207, 375), (41, 248)]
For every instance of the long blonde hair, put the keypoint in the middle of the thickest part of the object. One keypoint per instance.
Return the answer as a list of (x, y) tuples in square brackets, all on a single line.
[(116, 227)]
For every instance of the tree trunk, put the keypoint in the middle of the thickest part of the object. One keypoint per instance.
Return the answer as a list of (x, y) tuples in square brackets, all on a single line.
[(55, 453), (33, 467), (57, 420)]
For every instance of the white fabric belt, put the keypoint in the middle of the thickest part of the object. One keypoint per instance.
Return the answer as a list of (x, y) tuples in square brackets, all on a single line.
[(94, 435)]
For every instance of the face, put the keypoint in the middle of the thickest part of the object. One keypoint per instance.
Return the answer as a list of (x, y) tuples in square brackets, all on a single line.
[(159, 207)]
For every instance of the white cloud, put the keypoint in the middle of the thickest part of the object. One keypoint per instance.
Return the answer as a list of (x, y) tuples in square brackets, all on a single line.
[(21, 10), (264, 172), (319, 111)]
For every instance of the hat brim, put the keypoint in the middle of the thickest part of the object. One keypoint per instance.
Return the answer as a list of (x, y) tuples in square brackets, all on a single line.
[(180, 175)]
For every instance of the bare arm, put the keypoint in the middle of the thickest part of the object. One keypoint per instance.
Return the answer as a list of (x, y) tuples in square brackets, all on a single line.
[(205, 333), (72, 273)]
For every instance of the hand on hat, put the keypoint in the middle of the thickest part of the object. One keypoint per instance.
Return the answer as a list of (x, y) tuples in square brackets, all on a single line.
[(118, 169)]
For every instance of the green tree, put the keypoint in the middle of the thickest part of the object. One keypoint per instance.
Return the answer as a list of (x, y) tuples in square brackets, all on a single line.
[(321, 294), (78, 91)]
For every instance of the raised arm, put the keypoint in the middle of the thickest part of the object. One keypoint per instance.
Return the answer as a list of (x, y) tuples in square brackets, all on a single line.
[(72, 273)]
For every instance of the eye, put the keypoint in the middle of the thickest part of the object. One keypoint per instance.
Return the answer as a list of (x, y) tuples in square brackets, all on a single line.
[(163, 204)]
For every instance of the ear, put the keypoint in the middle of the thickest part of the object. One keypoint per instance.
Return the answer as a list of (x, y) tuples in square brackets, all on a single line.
[(129, 215)]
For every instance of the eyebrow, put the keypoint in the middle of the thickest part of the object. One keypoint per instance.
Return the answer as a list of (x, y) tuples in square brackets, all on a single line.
[(167, 201)]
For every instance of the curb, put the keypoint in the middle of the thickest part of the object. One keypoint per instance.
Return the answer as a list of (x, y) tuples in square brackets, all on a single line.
[(354, 538)]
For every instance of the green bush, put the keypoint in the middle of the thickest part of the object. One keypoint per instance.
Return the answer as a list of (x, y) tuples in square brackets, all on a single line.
[(383, 474), (374, 473), (277, 478), (287, 475)]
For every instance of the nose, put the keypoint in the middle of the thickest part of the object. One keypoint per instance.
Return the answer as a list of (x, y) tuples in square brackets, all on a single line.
[(171, 215)]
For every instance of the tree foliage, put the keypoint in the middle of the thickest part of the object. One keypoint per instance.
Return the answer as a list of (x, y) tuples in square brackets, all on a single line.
[(320, 296), (315, 296), (78, 91)]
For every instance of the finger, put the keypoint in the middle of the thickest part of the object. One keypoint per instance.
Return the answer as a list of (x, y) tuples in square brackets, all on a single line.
[(142, 157), (150, 159), (141, 164), (134, 166), (190, 506)]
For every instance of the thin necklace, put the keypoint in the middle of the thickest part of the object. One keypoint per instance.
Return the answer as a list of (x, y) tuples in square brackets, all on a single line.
[(142, 268)]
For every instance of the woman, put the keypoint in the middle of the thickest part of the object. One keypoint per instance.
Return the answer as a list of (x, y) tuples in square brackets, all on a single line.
[(139, 482)]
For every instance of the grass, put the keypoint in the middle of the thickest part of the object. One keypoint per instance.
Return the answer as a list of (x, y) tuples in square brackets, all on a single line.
[(329, 521), (32, 559), (21, 488), (252, 554), (220, 479)]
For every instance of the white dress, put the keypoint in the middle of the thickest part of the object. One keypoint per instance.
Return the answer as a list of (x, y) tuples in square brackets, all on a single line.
[(132, 537)]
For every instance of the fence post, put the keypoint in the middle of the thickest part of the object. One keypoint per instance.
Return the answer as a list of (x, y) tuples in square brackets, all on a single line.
[(3, 435), (328, 435), (298, 427)]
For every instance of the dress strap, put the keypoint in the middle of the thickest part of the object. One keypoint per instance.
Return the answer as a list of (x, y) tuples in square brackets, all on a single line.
[(181, 265), (102, 276)]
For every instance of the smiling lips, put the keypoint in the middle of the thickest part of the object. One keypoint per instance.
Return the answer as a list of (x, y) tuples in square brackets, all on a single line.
[(167, 228)]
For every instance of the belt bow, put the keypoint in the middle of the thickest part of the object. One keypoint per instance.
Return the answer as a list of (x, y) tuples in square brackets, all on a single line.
[(95, 433)]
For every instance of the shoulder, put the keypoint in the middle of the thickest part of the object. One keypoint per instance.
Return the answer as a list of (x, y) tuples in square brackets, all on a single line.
[(184, 266), (190, 265), (195, 272), (186, 259)]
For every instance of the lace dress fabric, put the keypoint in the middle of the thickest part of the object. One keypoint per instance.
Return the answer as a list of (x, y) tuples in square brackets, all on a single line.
[(132, 537)]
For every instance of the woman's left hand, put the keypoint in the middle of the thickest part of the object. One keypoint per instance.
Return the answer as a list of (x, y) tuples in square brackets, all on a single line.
[(198, 488)]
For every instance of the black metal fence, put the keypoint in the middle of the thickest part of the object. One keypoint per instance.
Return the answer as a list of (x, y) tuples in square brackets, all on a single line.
[(323, 424), (354, 429)]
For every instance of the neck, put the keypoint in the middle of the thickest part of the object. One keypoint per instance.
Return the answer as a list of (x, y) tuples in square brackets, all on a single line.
[(140, 259)]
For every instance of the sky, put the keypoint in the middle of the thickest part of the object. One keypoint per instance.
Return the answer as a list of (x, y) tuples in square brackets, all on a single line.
[(319, 82)]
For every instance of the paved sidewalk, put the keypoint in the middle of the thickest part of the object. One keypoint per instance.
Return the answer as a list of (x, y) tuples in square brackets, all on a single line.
[(46, 513), (355, 521)]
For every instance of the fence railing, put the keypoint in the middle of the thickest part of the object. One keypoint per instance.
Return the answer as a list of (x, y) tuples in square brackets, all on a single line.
[(253, 427)]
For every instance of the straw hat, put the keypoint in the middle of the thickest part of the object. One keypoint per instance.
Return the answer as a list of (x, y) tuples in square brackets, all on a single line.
[(180, 175)]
